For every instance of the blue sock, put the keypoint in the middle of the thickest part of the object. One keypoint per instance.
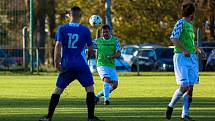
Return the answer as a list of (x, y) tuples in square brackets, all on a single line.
[(101, 93), (106, 91), (176, 96), (186, 106)]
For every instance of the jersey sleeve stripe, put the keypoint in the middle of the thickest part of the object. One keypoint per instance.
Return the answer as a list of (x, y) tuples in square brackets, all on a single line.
[(177, 30), (118, 47)]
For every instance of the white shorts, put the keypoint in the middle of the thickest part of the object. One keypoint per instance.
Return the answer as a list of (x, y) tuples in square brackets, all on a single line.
[(186, 69), (105, 71)]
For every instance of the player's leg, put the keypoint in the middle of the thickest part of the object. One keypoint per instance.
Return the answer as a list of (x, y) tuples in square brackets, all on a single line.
[(86, 79), (106, 90), (52, 104), (193, 79), (105, 76), (181, 73), (113, 83), (63, 80), (186, 104)]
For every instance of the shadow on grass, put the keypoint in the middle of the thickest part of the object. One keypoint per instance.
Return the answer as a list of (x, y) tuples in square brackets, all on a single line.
[(124, 109)]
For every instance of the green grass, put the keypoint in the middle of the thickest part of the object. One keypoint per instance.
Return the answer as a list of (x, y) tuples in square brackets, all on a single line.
[(138, 98)]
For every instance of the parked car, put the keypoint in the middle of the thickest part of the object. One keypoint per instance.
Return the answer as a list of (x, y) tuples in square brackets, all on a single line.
[(6, 60), (164, 59), (17, 55), (144, 59), (203, 62), (130, 51), (210, 65), (153, 59)]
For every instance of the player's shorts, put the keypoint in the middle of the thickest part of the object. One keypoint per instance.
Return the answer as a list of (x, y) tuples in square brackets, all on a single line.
[(82, 74), (186, 69), (105, 71)]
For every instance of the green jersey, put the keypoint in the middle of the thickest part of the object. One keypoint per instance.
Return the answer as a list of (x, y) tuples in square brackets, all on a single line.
[(107, 48), (183, 31)]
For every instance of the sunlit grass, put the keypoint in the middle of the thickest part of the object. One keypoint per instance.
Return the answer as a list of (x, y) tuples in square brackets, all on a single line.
[(26, 98)]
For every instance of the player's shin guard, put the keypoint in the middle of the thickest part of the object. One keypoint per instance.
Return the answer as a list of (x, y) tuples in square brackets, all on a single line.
[(106, 90), (176, 96), (101, 93), (90, 100), (52, 105)]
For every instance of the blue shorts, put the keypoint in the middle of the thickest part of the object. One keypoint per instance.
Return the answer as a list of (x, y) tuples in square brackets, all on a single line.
[(105, 71), (82, 74)]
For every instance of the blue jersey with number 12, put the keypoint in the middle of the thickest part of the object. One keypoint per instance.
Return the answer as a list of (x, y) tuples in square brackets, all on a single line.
[(74, 37)]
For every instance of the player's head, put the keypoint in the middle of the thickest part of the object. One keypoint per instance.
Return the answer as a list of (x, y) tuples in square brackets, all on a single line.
[(106, 31), (188, 9), (75, 13)]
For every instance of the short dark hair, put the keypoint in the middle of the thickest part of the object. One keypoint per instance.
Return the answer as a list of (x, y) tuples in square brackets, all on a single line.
[(106, 27), (75, 8), (188, 8)]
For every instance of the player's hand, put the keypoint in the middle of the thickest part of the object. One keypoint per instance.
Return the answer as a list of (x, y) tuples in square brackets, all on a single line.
[(186, 53), (202, 53)]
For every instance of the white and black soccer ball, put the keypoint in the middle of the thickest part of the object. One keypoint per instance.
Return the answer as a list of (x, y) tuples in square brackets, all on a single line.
[(95, 20)]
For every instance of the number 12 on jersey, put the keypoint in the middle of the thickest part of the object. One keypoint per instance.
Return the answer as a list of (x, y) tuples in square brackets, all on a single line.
[(73, 39)]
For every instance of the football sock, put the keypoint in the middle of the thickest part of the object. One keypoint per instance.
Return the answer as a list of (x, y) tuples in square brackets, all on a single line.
[(90, 100), (186, 105), (101, 93), (52, 104), (176, 96), (106, 90)]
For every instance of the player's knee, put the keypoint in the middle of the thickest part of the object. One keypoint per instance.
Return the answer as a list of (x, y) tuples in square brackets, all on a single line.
[(106, 79), (184, 89), (58, 91), (89, 88)]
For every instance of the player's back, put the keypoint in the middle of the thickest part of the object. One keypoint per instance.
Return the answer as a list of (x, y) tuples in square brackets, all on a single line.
[(74, 38)]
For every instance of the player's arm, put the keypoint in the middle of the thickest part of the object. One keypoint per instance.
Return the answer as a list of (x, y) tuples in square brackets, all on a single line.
[(176, 35), (116, 55), (118, 51), (90, 51), (90, 44), (178, 44), (201, 52), (57, 55)]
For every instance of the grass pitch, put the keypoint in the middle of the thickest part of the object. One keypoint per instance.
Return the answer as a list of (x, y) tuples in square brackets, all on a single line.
[(138, 98)]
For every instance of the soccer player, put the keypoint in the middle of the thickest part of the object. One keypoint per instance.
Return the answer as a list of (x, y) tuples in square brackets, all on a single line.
[(70, 42), (185, 60), (108, 49)]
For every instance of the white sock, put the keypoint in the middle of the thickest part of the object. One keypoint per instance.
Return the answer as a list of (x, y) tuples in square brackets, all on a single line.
[(106, 91), (176, 96), (186, 105)]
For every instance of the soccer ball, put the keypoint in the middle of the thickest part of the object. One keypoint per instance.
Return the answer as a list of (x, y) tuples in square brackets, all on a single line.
[(95, 20)]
